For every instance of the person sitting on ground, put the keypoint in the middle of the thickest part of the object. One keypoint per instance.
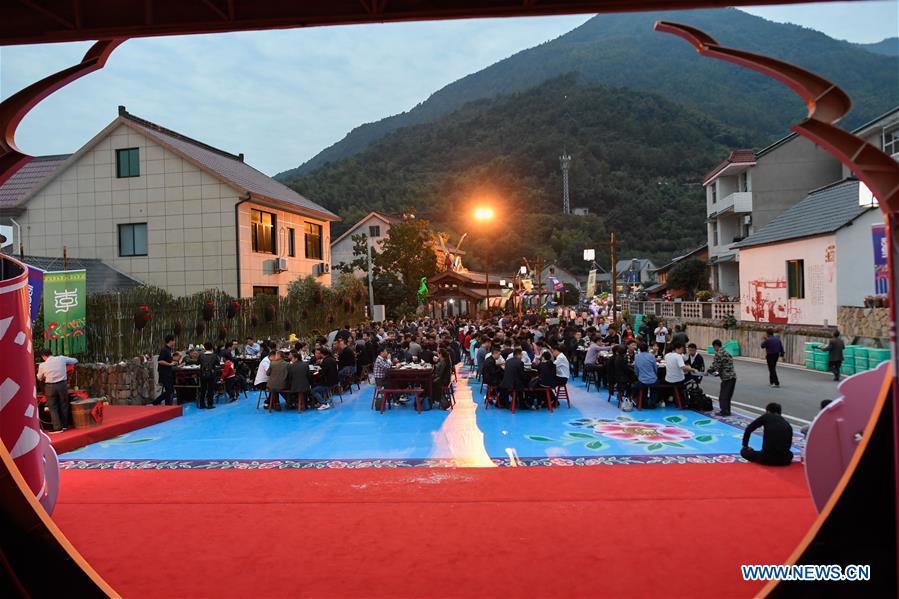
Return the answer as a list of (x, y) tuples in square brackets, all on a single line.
[(277, 380), (327, 379), (776, 440), (298, 380)]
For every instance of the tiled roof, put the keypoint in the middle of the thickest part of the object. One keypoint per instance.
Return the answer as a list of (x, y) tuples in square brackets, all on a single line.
[(34, 171), (100, 276), (823, 211), (736, 157), (227, 166)]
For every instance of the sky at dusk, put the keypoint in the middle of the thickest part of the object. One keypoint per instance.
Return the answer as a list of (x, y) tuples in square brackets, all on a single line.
[(282, 96)]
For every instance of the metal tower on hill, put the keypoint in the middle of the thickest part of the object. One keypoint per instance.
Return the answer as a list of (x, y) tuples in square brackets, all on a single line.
[(565, 160)]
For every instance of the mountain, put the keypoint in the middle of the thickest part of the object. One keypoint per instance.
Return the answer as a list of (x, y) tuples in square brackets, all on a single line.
[(637, 160), (622, 50), (887, 47)]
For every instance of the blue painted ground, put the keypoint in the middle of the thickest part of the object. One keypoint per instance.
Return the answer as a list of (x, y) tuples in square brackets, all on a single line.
[(592, 428)]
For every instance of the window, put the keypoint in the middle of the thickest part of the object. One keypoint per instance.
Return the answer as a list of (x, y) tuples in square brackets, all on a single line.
[(891, 141), (715, 233), (133, 239), (313, 241), (714, 189), (374, 231), (291, 242), (263, 226), (127, 163), (257, 290), (795, 279), (742, 183)]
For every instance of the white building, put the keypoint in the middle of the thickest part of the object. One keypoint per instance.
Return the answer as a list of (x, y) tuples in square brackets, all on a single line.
[(169, 211), (375, 226), (813, 258), (749, 189)]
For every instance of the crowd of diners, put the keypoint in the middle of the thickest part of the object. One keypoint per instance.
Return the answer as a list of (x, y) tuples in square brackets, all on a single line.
[(530, 357)]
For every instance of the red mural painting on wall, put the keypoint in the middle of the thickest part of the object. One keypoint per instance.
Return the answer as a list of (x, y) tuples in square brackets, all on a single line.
[(765, 308)]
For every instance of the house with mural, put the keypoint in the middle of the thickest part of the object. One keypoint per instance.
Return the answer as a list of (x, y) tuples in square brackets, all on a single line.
[(819, 255)]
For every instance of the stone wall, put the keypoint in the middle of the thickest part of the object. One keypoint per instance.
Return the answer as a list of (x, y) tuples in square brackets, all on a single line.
[(125, 383), (750, 340), (872, 323)]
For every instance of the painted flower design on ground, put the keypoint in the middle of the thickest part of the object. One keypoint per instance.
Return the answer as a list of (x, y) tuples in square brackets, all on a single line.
[(643, 431)]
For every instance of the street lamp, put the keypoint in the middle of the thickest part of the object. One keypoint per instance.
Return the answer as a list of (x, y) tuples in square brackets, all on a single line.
[(485, 215)]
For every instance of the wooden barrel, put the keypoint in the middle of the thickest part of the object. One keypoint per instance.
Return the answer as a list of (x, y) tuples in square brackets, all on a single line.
[(82, 415)]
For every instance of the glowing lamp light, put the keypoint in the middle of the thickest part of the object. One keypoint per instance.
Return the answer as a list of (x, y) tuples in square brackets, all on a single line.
[(484, 214), (589, 255), (523, 270)]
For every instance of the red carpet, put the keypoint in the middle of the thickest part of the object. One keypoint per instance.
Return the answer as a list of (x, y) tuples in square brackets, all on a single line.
[(605, 531), (117, 420)]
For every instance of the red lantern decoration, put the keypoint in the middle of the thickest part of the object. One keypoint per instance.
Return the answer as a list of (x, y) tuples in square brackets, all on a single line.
[(233, 308), (208, 310), (179, 326), (254, 320), (270, 313), (201, 327), (141, 317)]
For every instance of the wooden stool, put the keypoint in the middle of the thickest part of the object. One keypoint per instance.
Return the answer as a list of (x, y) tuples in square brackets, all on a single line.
[(562, 392)]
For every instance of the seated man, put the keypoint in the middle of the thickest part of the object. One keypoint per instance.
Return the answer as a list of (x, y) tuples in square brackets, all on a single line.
[(327, 378), (776, 441), (513, 379), (647, 374), (694, 360)]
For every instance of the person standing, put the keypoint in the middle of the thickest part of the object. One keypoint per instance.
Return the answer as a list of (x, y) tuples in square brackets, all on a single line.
[(164, 366), (776, 441), (774, 351), (834, 351), (208, 362), (661, 336), (723, 367), (441, 379), (52, 372)]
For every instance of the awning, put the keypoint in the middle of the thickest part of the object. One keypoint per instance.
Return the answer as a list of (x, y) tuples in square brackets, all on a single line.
[(722, 258)]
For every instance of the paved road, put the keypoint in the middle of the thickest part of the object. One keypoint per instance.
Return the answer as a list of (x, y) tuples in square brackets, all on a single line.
[(800, 392)]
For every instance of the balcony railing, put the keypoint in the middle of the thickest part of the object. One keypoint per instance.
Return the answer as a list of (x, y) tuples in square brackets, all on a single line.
[(692, 310), (740, 202)]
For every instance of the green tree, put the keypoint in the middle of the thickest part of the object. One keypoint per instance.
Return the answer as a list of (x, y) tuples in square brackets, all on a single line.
[(569, 296), (408, 254), (690, 275)]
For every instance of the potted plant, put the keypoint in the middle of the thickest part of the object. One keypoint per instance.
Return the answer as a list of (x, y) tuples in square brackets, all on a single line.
[(703, 296), (869, 301)]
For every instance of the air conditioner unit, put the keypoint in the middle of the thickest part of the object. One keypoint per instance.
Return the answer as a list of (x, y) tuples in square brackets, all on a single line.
[(321, 268), (747, 220), (280, 264)]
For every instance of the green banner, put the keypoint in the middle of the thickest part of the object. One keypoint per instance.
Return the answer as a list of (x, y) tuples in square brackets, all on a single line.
[(65, 304)]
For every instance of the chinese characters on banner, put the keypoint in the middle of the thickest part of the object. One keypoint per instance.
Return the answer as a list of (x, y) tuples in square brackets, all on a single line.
[(65, 311), (35, 288), (591, 283), (881, 276)]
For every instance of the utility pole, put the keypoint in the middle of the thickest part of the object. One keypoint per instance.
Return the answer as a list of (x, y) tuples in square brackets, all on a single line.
[(565, 160), (371, 290), (614, 277)]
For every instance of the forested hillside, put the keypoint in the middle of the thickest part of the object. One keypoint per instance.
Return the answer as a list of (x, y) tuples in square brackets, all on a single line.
[(622, 50), (637, 160)]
